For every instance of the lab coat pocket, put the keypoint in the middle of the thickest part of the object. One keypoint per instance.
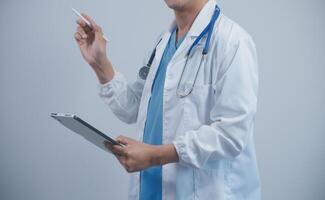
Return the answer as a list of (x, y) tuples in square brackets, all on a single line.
[(197, 106)]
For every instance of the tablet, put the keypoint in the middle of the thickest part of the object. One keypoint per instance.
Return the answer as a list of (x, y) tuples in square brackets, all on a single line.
[(84, 129)]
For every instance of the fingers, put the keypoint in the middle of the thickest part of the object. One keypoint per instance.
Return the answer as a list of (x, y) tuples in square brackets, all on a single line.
[(124, 140), (92, 22), (116, 149), (123, 161), (108, 145), (125, 164), (120, 156), (81, 23), (81, 32), (77, 37), (93, 29), (80, 36), (122, 153), (119, 150)]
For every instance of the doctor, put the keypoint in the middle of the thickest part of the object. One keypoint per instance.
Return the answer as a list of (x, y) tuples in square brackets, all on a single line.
[(194, 104)]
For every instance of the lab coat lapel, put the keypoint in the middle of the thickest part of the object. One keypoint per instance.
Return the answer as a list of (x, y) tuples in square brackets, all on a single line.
[(148, 84)]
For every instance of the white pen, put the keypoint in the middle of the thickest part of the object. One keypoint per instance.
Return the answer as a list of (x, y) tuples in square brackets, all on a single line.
[(85, 20)]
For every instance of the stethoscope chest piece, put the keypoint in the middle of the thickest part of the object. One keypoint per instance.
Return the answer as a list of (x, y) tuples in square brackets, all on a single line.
[(143, 72)]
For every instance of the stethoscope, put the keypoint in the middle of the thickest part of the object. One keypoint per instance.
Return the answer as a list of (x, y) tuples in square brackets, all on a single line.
[(144, 71)]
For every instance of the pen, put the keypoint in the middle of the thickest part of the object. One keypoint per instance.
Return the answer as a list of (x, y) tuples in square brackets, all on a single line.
[(85, 20)]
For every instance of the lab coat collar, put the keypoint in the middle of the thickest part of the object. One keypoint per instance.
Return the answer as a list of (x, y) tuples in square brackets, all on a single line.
[(201, 21)]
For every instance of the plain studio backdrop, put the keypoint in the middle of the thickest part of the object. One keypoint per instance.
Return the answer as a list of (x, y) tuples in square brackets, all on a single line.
[(42, 71)]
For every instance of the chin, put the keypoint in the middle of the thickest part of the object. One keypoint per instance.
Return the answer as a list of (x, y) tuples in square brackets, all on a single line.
[(176, 4)]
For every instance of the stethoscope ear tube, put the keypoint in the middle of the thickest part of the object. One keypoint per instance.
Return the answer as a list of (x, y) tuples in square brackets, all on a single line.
[(211, 25)]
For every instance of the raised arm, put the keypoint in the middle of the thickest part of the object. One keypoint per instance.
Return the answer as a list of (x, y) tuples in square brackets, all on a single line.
[(122, 98)]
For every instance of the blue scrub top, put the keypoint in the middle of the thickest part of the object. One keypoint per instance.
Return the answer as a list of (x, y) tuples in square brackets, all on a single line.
[(151, 178)]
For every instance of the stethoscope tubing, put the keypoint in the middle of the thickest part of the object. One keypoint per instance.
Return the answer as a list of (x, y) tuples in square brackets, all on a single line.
[(207, 30), (180, 80)]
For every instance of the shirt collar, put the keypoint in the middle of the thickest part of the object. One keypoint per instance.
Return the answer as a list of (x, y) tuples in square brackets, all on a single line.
[(201, 21)]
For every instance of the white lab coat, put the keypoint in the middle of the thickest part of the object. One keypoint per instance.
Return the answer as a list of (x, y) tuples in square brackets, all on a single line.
[(211, 128)]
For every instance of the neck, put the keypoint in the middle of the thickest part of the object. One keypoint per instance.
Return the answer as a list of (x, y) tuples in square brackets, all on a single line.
[(185, 16)]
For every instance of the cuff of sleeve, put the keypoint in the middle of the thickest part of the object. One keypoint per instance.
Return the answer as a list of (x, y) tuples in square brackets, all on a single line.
[(104, 89), (180, 147)]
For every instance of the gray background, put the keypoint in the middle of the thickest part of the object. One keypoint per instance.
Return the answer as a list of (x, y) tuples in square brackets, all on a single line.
[(42, 71)]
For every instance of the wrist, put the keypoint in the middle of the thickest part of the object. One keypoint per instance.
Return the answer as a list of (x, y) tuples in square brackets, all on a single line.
[(105, 72), (164, 154)]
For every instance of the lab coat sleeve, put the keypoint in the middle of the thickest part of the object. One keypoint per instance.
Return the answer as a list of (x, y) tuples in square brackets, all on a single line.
[(232, 113), (122, 98)]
